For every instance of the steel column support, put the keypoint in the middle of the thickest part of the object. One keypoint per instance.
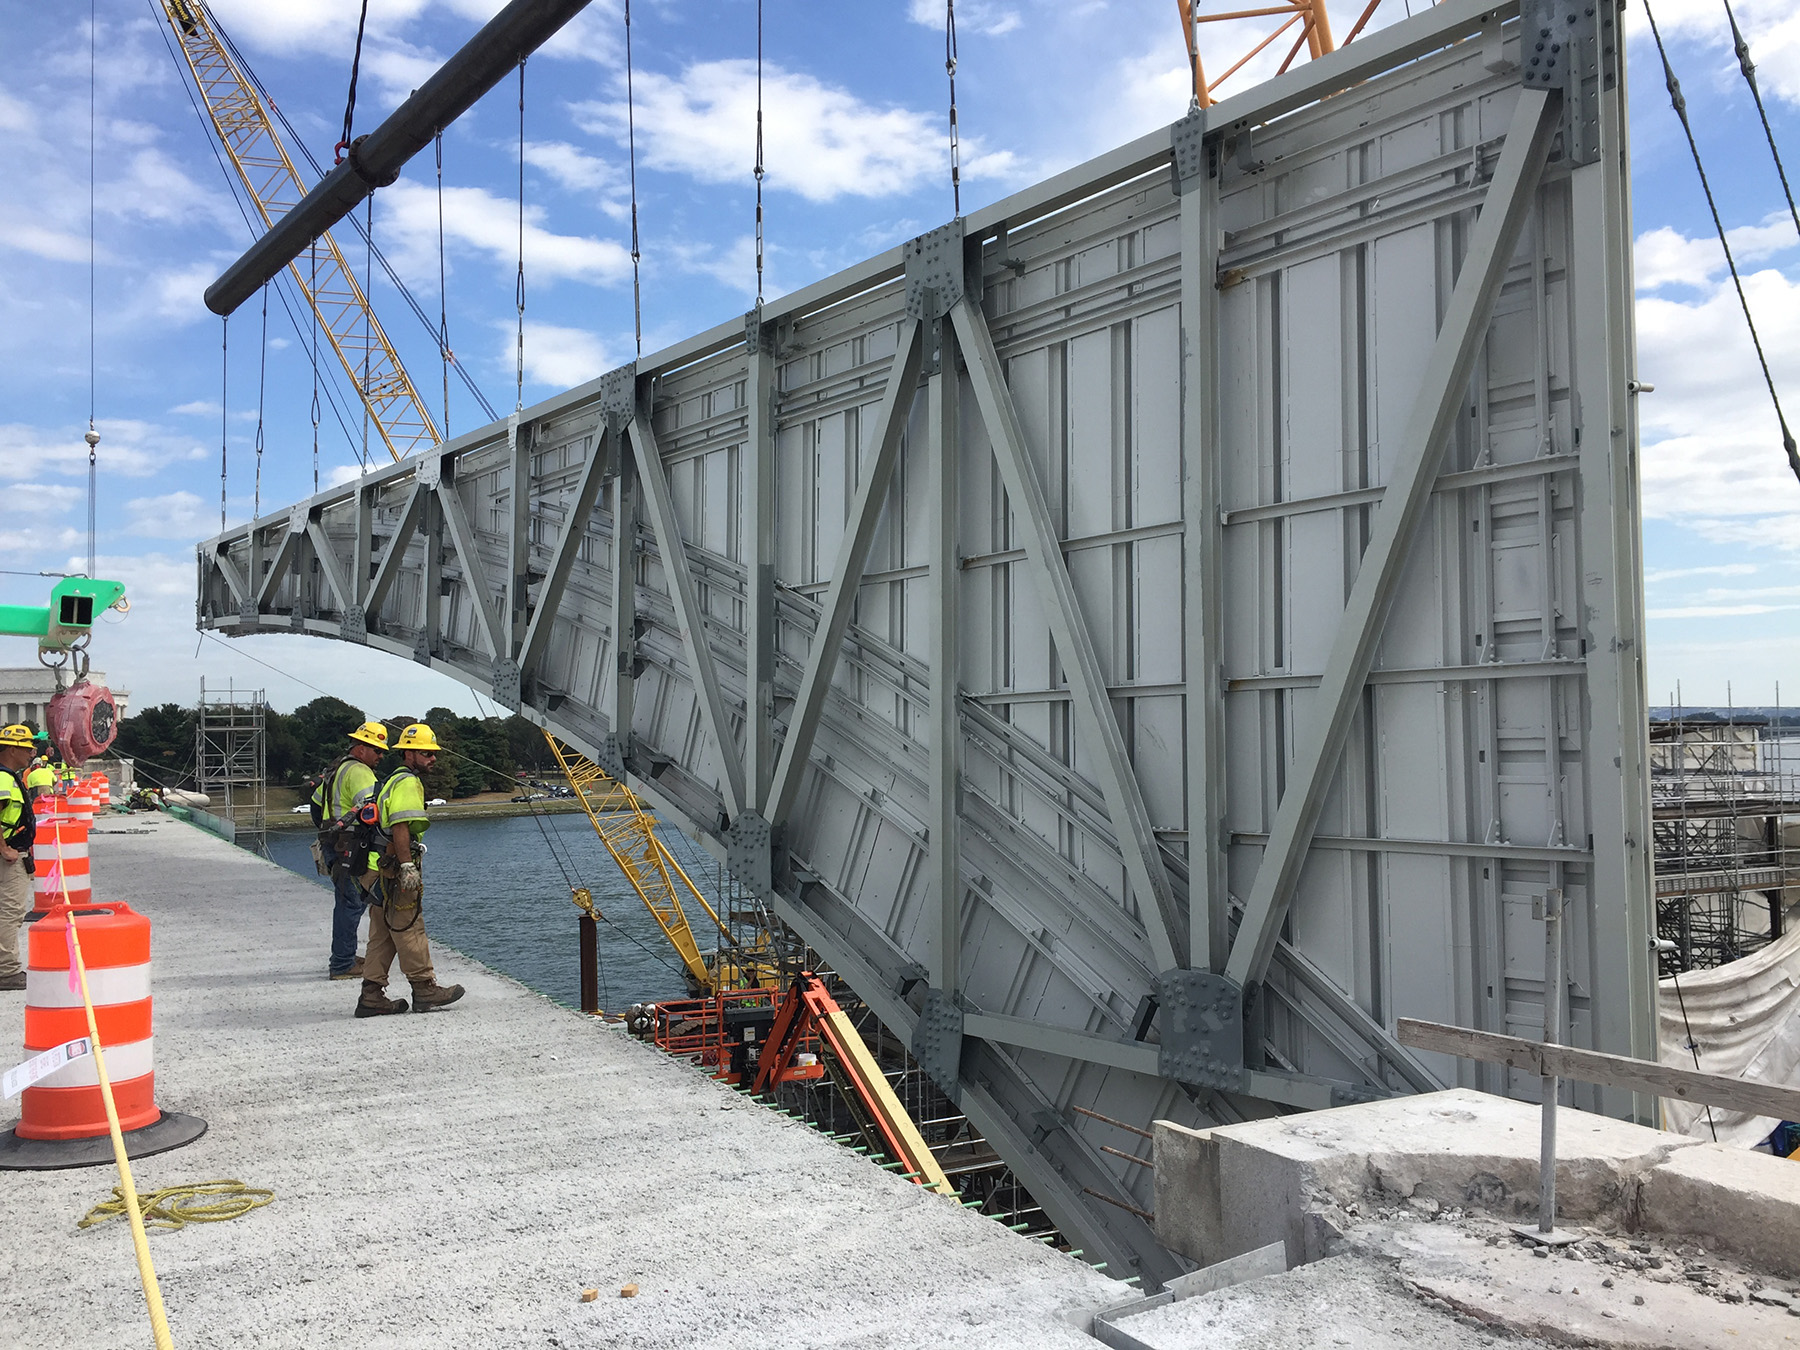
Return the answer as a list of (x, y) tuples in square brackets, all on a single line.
[(568, 548), (278, 566), (1209, 900), (624, 608), (759, 571), (362, 555), (679, 574), (1096, 724), (1620, 904), (468, 557), (1511, 196), (945, 835), (429, 642), (846, 577), (518, 536)]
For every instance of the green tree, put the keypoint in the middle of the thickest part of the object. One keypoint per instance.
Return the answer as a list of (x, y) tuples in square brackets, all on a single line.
[(161, 740)]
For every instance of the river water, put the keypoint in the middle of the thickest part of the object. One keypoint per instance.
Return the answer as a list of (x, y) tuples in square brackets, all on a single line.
[(494, 890)]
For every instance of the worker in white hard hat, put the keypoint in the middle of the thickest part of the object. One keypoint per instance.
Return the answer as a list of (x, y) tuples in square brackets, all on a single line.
[(340, 788), (397, 916), (18, 828)]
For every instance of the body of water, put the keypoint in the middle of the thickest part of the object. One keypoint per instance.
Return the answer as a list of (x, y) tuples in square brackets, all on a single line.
[(494, 890)]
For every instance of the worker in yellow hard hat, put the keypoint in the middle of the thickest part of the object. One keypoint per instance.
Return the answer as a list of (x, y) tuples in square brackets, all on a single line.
[(397, 917), (346, 782), (18, 829), (40, 777)]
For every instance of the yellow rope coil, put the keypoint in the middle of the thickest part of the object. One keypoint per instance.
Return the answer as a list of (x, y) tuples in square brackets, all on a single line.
[(177, 1206)]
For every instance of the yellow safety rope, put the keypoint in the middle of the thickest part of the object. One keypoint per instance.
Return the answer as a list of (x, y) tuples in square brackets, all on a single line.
[(159, 1322), (178, 1206)]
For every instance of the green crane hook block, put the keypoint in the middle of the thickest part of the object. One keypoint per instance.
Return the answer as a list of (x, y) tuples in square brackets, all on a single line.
[(68, 618)]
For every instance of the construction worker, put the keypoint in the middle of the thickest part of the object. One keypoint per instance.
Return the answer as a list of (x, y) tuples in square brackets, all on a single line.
[(340, 788), (397, 918), (18, 827), (65, 777), (40, 778)]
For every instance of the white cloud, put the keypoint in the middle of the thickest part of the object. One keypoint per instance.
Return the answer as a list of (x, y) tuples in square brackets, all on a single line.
[(41, 241), (1718, 570), (132, 448), (556, 356), (339, 474), (1712, 448), (1716, 611), (1665, 257), (172, 515), (477, 221), (39, 499), (820, 141), (199, 407), (976, 16)]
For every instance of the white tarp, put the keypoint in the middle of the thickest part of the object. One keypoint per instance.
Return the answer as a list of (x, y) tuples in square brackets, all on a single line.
[(1742, 1018)]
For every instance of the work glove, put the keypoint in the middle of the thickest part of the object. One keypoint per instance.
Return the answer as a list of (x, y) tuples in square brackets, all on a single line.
[(411, 885)]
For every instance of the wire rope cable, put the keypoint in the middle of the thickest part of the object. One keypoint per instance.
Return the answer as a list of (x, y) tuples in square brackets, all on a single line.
[(519, 285), (314, 288), (93, 433), (637, 298), (1748, 68), (368, 318), (350, 101), (262, 385), (443, 333), (955, 133), (757, 172), (224, 398), (1678, 101)]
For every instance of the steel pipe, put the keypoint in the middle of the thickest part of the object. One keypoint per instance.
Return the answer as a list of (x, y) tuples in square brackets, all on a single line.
[(375, 160)]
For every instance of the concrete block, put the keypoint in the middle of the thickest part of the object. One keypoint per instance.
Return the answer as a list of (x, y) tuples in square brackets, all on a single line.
[(1744, 1202), (1234, 1188)]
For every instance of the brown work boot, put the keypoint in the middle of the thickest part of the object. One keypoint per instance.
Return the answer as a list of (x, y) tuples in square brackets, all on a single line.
[(354, 973), (434, 995), (375, 1002)]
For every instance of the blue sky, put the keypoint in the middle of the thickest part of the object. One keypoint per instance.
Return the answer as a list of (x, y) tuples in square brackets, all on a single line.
[(857, 158)]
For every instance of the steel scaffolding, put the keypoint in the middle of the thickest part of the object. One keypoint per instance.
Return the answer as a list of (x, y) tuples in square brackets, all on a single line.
[(231, 761), (1724, 860)]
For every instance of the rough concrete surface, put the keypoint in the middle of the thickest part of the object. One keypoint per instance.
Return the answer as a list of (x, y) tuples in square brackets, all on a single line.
[(456, 1179)]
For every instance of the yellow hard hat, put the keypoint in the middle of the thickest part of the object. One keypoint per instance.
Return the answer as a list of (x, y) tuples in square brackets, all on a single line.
[(20, 734), (417, 737), (371, 733)]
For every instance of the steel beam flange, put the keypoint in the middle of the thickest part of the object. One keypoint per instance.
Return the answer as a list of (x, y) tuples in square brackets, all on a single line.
[(247, 612), (610, 756), (937, 1042), (749, 852), (356, 624), (1188, 150), (1203, 1029), (422, 649), (618, 395), (936, 277)]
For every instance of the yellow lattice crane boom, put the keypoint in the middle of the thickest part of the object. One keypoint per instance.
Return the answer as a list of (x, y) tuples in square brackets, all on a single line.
[(324, 277), (630, 835)]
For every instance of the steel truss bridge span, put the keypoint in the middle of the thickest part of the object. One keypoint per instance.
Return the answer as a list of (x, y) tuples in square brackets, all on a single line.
[(1150, 634)]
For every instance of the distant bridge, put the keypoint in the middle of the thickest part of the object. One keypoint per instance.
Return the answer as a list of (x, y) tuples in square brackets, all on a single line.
[(1150, 634)]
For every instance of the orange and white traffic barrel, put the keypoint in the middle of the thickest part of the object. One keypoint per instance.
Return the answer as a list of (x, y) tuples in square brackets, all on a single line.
[(115, 948), (81, 805), (60, 861)]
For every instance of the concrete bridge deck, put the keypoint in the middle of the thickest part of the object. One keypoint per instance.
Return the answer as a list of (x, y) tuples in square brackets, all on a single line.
[(457, 1179)]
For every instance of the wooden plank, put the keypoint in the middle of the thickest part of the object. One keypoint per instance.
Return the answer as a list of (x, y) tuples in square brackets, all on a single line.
[(1595, 1066)]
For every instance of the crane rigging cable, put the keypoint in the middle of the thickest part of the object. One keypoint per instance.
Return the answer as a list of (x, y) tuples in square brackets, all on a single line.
[(1678, 101), (262, 385), (1748, 68), (757, 172), (93, 433), (443, 333), (314, 252), (519, 291), (350, 101), (637, 299), (224, 391), (955, 140)]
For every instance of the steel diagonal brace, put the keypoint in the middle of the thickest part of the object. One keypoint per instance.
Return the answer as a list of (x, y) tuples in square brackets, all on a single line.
[(680, 577), (462, 539), (568, 549), (389, 566), (353, 626), (1510, 197), (290, 545), (1096, 724), (846, 577)]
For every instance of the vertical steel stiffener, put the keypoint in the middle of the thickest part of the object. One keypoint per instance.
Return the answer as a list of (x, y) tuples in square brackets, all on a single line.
[(1150, 634)]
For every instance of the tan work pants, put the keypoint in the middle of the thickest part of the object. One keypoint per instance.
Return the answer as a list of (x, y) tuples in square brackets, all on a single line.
[(395, 927), (15, 904)]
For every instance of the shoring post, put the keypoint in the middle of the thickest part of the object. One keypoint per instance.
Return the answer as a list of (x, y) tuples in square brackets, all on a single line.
[(590, 965)]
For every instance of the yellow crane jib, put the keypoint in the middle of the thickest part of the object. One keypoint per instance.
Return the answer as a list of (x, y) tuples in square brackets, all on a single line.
[(323, 275), (629, 833)]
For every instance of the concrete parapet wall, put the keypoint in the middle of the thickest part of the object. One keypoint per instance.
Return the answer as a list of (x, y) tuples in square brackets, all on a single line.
[(1232, 1189)]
